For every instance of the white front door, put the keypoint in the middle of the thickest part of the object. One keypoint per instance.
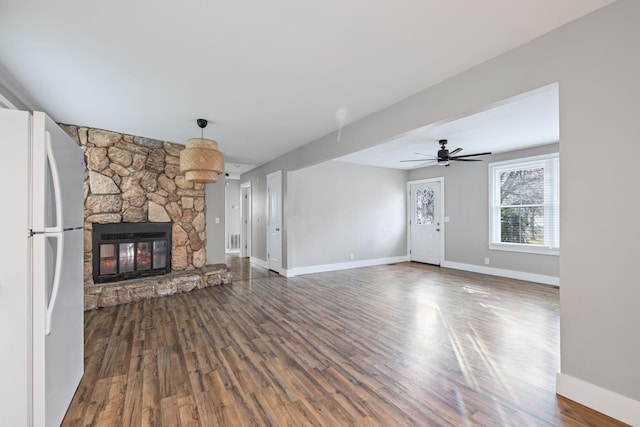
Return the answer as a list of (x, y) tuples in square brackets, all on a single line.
[(274, 211), (425, 222)]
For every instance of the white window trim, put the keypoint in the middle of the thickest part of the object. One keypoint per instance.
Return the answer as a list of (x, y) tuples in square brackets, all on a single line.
[(495, 169)]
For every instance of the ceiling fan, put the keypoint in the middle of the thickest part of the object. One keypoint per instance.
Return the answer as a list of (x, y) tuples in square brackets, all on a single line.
[(444, 156)]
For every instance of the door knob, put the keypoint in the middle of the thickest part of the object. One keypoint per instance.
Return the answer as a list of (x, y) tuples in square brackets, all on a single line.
[(437, 229), (277, 229)]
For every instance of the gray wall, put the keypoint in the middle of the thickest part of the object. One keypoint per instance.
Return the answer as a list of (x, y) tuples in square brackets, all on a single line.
[(599, 109), (467, 205), (338, 209), (214, 195), (232, 208), (595, 60)]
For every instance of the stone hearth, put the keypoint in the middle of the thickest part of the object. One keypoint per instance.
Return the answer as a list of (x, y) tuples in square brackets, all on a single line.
[(133, 179), (106, 295)]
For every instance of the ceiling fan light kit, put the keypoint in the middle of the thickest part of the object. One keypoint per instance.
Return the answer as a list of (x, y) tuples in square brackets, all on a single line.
[(200, 161)]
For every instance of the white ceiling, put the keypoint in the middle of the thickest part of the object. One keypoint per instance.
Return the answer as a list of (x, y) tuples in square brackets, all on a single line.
[(270, 76), (524, 121)]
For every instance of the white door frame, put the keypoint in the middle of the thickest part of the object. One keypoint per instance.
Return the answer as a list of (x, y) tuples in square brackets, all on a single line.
[(443, 229), (274, 174), (245, 232)]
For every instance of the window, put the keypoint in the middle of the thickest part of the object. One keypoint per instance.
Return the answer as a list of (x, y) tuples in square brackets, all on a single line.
[(524, 205), (424, 206)]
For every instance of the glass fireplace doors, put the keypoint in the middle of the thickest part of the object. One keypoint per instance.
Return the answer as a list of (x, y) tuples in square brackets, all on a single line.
[(127, 250)]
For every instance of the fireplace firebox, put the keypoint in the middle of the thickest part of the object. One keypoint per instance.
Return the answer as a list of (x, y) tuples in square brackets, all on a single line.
[(128, 250)]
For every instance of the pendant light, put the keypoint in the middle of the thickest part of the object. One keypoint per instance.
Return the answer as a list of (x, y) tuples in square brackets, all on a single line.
[(200, 161)]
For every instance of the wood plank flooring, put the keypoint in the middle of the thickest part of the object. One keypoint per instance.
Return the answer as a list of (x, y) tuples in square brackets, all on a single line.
[(399, 345)]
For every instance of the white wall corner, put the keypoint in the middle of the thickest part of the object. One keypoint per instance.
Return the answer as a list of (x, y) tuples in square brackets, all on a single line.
[(511, 274), (259, 262), (6, 103), (602, 400)]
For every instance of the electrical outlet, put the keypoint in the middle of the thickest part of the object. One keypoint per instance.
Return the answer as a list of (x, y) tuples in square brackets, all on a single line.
[(486, 261), (217, 220), (352, 256)]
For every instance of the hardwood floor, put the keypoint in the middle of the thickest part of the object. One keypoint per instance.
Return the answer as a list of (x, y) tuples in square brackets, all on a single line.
[(398, 345)]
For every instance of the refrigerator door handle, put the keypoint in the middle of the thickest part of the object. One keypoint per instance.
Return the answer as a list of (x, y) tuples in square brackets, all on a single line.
[(56, 281), (57, 190)]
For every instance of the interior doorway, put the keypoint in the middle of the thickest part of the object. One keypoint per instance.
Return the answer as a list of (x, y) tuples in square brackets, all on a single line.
[(245, 220), (426, 220), (233, 216), (274, 221)]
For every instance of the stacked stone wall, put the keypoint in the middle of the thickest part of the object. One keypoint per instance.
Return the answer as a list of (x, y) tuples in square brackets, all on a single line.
[(133, 179)]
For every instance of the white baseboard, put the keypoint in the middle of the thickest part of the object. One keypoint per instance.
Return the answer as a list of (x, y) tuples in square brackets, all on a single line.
[(346, 265), (602, 400), (265, 264), (259, 262), (232, 251), (511, 274), (520, 275)]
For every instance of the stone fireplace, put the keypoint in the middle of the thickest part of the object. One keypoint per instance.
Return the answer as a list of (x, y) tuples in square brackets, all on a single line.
[(131, 180)]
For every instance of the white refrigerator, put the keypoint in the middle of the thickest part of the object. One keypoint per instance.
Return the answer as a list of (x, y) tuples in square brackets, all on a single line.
[(41, 269)]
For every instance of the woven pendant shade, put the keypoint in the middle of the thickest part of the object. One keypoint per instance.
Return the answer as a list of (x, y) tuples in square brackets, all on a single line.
[(200, 161)]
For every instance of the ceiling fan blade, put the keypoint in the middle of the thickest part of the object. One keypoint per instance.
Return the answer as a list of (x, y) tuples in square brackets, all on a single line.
[(471, 155), (457, 150), (427, 162), (457, 159)]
